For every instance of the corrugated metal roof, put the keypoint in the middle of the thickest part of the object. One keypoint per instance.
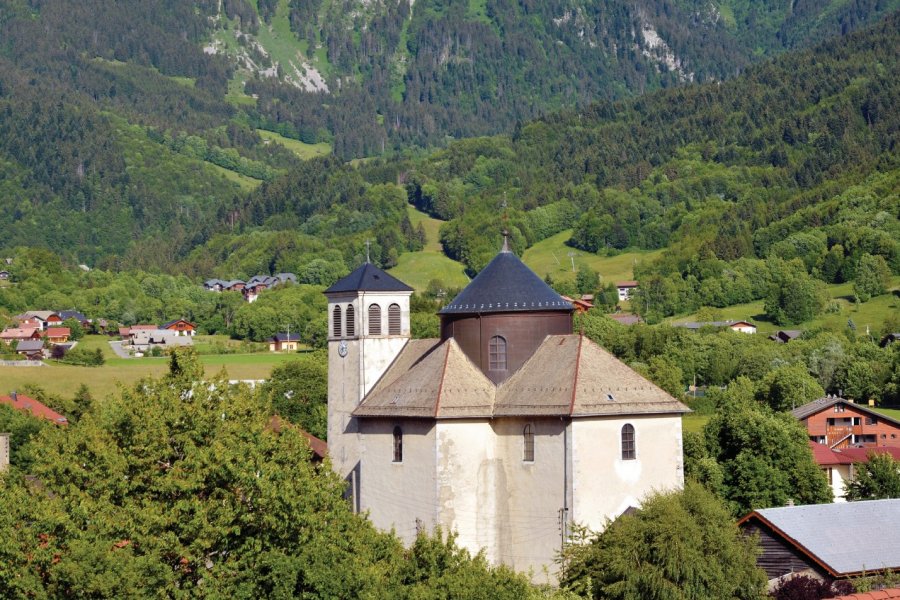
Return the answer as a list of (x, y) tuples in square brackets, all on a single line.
[(847, 537), (368, 278), (506, 285)]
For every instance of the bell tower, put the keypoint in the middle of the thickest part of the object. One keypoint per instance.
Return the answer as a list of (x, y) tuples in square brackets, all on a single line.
[(368, 326)]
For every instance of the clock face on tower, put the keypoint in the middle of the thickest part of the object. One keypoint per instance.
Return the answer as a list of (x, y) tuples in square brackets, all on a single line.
[(342, 349)]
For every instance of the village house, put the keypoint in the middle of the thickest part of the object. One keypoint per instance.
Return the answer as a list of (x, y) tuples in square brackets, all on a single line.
[(626, 289), (16, 334), (180, 327), (31, 349), (504, 430), (840, 466), (829, 541), (127, 333), (30, 405), (839, 423), (284, 342), (44, 318), (739, 326), (783, 336), (57, 335), (65, 315), (145, 339)]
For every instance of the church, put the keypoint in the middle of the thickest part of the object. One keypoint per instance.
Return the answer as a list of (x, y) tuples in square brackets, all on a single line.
[(505, 430)]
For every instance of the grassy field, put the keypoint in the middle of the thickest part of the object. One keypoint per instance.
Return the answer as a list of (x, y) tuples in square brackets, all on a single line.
[(302, 150), (872, 313), (693, 422), (418, 268), (552, 256), (248, 184), (64, 380)]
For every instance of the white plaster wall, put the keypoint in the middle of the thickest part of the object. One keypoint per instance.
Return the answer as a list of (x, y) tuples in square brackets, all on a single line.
[(470, 483), (604, 485), (840, 479), (528, 519), (398, 494), (343, 398)]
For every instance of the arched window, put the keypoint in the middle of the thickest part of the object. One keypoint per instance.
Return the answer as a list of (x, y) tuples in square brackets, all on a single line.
[(374, 319), (398, 444), (351, 321), (528, 438), (628, 447), (394, 319), (336, 321), (497, 354)]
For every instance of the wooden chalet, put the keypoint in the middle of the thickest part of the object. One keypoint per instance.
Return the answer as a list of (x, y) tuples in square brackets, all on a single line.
[(831, 541), (839, 423), (57, 335), (180, 326)]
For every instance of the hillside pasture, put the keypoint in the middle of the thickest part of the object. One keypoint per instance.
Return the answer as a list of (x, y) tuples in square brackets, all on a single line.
[(303, 150)]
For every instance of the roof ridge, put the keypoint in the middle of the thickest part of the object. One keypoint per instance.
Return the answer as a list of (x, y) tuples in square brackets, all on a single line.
[(437, 401), (575, 378)]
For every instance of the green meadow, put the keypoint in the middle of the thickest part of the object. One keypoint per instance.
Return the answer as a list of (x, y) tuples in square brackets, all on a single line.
[(419, 268)]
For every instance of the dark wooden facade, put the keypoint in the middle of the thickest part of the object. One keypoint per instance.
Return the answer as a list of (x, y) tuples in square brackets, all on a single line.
[(523, 332), (779, 556)]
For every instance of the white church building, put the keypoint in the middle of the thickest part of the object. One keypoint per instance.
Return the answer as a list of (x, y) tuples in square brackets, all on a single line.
[(505, 430)]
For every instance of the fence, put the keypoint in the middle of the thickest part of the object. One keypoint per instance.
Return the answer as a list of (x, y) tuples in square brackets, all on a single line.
[(21, 363)]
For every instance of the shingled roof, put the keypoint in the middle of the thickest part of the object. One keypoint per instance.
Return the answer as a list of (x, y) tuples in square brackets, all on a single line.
[(568, 375), (368, 278), (506, 285)]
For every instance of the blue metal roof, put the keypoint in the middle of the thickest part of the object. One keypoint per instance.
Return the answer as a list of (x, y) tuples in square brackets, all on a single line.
[(368, 278), (506, 285)]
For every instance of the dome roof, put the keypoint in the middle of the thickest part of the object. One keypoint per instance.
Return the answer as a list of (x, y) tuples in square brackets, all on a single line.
[(506, 285), (368, 278)]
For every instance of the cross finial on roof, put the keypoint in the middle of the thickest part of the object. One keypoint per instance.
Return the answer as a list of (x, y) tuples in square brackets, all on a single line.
[(505, 241), (368, 242)]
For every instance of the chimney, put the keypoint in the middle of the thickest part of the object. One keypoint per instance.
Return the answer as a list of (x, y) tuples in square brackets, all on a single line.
[(13, 395)]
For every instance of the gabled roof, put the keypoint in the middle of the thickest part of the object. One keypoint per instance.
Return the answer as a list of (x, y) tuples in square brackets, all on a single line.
[(368, 278), (168, 324), (845, 538), (568, 375), (817, 406), (24, 403), (72, 314), (43, 315), (825, 456), (506, 285), (29, 345), (18, 333), (57, 331), (286, 337), (626, 284)]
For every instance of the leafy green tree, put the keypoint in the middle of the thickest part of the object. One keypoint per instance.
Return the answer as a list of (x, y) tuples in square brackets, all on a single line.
[(764, 455), (877, 479), (587, 281), (873, 276), (76, 331), (678, 546), (665, 373), (788, 387), (794, 296), (298, 391)]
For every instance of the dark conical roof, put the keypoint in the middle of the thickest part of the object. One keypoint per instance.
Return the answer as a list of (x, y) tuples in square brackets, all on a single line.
[(368, 278), (506, 285)]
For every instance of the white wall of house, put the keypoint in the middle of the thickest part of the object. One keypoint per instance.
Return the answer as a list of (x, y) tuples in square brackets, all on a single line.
[(839, 477)]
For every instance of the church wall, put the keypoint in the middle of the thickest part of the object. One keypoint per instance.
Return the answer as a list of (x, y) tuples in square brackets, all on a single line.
[(343, 398), (605, 485), (528, 522), (398, 496)]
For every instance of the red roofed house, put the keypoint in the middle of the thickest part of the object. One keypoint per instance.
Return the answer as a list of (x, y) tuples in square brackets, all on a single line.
[(840, 423), (18, 334), (885, 594), (57, 335), (840, 465), (626, 289), (181, 326), (24, 403)]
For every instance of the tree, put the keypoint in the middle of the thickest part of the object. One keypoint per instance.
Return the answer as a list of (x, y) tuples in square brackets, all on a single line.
[(804, 587), (877, 479), (298, 391), (788, 387), (873, 277), (587, 281), (794, 296), (76, 331), (678, 546), (764, 456)]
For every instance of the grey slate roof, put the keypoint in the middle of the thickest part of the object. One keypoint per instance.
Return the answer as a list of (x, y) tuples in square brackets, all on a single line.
[(72, 314), (811, 408), (29, 345), (506, 285), (568, 375), (368, 278), (847, 537), (286, 337)]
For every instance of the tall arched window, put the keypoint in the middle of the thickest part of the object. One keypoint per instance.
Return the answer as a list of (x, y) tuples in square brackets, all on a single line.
[(351, 321), (398, 444), (528, 438), (497, 354), (374, 319), (394, 319), (336, 321), (629, 452)]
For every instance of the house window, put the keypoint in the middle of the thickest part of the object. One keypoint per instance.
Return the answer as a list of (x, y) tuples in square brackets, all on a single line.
[(497, 354), (856, 420), (394, 319), (398, 444), (528, 438), (871, 420), (351, 321), (628, 448), (336, 321), (839, 408), (374, 319)]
